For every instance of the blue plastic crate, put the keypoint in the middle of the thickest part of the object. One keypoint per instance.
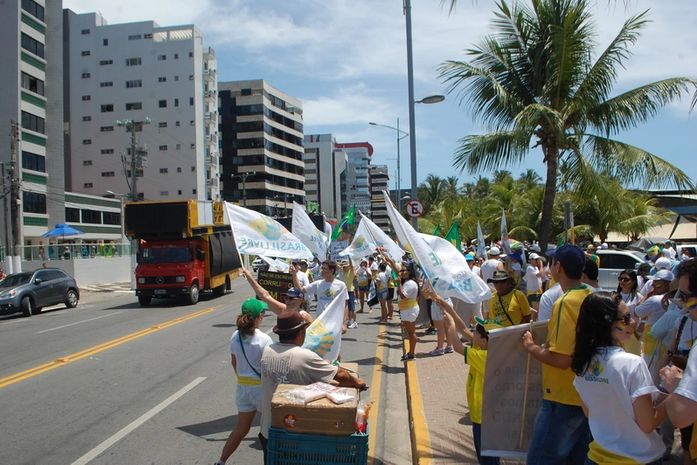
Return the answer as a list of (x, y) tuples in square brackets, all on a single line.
[(286, 448)]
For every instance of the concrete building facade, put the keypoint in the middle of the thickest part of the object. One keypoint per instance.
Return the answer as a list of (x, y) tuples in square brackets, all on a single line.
[(357, 175), (379, 181), (262, 147), (326, 174), (162, 80)]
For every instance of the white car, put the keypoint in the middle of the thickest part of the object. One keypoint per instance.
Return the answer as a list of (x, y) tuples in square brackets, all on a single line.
[(613, 262), (259, 264)]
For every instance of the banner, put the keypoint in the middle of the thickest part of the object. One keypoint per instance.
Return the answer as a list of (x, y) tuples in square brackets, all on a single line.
[(257, 234), (505, 242), (336, 248), (304, 229), (447, 281), (481, 246), (367, 238), (275, 283), (512, 391), (323, 336), (276, 264)]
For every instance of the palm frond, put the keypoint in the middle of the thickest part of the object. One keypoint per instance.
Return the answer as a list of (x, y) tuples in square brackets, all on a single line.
[(491, 151)]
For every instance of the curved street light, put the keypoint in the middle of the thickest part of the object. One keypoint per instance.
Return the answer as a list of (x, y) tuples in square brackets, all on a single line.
[(400, 135)]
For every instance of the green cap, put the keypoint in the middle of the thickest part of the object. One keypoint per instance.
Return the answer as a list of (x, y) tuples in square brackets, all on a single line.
[(254, 307)]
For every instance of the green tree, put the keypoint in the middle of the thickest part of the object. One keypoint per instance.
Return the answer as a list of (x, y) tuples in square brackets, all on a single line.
[(536, 78)]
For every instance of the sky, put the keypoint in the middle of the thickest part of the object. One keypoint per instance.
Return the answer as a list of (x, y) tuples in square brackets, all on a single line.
[(346, 61)]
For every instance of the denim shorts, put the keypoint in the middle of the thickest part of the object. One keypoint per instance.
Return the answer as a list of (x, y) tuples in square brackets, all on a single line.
[(351, 301), (560, 435)]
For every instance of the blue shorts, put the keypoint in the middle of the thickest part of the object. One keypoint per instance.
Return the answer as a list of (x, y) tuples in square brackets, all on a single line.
[(351, 301), (365, 288), (382, 294)]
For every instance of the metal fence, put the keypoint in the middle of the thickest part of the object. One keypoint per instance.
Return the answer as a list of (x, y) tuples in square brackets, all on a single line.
[(82, 251)]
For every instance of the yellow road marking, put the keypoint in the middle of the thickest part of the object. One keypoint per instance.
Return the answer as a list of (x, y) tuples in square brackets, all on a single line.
[(420, 438), (62, 361), (375, 384)]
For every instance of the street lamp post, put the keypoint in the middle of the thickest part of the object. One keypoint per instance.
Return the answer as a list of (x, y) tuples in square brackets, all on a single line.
[(400, 135), (243, 176)]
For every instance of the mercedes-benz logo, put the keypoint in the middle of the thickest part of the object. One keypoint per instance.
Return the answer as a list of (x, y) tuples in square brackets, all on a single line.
[(160, 280)]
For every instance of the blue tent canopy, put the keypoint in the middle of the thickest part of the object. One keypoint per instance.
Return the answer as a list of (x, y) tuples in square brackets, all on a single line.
[(62, 230)]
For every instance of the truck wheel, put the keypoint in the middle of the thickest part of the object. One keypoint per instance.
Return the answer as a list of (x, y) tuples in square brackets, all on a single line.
[(193, 294), (27, 306), (219, 291), (144, 300)]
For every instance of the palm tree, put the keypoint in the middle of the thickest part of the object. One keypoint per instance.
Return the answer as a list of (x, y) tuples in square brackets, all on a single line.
[(432, 190), (535, 79)]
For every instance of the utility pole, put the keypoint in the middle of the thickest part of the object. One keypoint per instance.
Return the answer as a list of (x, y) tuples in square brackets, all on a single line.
[(137, 154), (6, 191), (15, 200)]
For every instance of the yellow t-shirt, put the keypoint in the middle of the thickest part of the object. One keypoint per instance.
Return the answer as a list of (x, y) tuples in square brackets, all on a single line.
[(348, 278), (476, 359), (557, 384), (516, 307), (604, 457)]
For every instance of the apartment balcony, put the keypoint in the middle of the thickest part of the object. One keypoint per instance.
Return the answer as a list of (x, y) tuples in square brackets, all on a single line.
[(210, 94)]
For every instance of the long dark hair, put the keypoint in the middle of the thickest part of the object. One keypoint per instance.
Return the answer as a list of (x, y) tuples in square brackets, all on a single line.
[(593, 329), (635, 283), (412, 276), (245, 324)]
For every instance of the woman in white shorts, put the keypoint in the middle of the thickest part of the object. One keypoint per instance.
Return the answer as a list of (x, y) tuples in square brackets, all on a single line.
[(408, 293), (246, 346)]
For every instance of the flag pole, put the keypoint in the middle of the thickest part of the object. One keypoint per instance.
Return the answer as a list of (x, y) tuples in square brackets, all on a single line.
[(525, 396)]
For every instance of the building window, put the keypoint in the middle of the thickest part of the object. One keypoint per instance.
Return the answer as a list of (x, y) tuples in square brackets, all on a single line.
[(133, 61), (162, 147), (161, 57), (176, 56), (34, 202), (107, 174), (86, 118), (84, 32), (105, 42), (134, 106), (179, 146), (107, 151), (87, 163), (162, 79), (32, 84), (191, 100), (193, 168), (106, 84), (86, 141), (246, 91), (106, 128), (91, 216), (164, 193), (33, 8), (134, 83), (85, 75), (164, 170), (162, 124), (106, 62), (179, 192), (191, 77), (176, 102), (111, 218), (135, 37), (147, 35), (86, 97), (176, 78), (32, 45), (108, 107), (193, 147), (85, 53), (72, 215), (34, 162), (177, 124), (191, 54), (192, 122), (33, 122), (87, 185), (179, 170), (162, 104)]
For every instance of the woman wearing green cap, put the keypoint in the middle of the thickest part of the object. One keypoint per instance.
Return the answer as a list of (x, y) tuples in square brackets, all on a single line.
[(246, 346)]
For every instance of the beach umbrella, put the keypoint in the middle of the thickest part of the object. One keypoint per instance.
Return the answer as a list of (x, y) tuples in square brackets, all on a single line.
[(62, 230)]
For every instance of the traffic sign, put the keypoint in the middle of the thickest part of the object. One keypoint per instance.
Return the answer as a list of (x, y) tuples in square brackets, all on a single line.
[(415, 208)]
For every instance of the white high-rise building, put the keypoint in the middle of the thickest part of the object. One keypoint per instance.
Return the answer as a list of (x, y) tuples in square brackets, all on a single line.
[(161, 81), (379, 181), (326, 174)]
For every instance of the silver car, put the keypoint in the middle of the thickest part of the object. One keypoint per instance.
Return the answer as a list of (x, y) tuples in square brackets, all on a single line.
[(29, 292), (613, 262)]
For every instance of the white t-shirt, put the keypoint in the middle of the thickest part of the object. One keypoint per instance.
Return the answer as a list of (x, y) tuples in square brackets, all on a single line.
[(547, 300), (631, 300), (532, 281), (688, 335), (647, 287), (477, 271), (304, 280), (374, 268), (411, 290), (325, 292), (253, 347), (488, 268), (688, 384), (613, 382), (382, 281), (651, 309)]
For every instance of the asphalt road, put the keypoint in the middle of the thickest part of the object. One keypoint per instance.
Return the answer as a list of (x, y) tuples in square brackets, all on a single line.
[(113, 383)]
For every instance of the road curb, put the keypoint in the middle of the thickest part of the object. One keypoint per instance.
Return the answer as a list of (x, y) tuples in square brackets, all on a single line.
[(420, 437)]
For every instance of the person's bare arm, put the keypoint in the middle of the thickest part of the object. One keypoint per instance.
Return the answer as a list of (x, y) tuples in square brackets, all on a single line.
[(296, 282), (546, 356), (274, 305), (681, 410), (646, 415)]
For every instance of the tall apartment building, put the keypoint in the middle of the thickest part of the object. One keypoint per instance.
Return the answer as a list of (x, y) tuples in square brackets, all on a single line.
[(326, 174), (379, 181), (357, 175), (262, 147), (31, 96), (161, 81)]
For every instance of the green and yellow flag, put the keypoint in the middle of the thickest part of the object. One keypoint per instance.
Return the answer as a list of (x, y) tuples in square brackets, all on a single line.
[(348, 220), (453, 236)]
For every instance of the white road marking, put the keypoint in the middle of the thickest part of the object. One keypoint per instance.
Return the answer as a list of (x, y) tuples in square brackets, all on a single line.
[(91, 455), (77, 323)]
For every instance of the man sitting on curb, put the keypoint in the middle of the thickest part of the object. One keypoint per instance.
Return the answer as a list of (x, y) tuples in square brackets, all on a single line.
[(289, 363)]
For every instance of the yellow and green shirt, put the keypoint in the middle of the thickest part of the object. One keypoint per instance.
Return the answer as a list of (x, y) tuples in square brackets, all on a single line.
[(475, 357), (515, 307)]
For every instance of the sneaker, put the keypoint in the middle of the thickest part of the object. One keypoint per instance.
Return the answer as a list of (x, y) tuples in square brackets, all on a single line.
[(436, 352), (406, 357), (431, 330), (219, 462), (353, 325), (449, 350)]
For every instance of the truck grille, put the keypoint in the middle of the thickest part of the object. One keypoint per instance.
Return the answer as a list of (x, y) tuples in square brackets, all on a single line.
[(160, 280)]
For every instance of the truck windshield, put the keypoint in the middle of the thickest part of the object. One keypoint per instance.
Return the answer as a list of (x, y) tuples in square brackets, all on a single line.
[(165, 255)]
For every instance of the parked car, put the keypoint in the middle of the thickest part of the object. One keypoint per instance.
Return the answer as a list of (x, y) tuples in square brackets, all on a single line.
[(29, 292), (613, 262), (691, 247), (259, 264)]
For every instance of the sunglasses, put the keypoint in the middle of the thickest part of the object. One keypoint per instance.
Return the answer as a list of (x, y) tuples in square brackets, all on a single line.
[(624, 279)]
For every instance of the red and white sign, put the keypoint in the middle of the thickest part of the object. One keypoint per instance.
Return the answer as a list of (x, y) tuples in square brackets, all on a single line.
[(415, 208)]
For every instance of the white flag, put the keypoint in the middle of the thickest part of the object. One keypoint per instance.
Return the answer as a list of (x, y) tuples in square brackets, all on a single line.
[(276, 264), (257, 234), (304, 229), (323, 336), (481, 246), (459, 283), (367, 238), (505, 242)]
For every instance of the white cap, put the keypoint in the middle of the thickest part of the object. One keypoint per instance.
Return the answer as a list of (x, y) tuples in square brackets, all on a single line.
[(536, 248), (663, 275), (663, 263), (603, 245), (494, 251), (534, 256)]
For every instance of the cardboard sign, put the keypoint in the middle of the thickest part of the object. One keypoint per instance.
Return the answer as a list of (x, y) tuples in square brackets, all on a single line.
[(275, 283), (335, 248), (512, 391)]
